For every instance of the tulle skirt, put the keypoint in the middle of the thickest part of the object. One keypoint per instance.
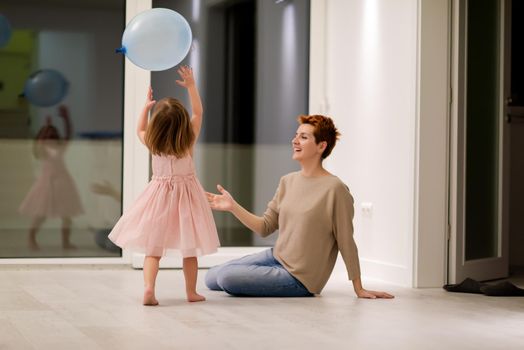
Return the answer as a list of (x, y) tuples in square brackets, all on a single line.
[(52, 196), (171, 217)]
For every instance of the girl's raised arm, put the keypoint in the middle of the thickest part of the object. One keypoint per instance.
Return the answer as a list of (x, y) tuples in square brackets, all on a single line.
[(188, 81), (143, 118), (63, 112)]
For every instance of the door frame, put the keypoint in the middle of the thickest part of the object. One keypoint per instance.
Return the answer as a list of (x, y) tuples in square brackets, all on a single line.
[(430, 226)]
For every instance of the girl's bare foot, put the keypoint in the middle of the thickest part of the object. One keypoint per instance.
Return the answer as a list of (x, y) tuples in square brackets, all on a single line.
[(149, 298), (33, 245), (194, 296)]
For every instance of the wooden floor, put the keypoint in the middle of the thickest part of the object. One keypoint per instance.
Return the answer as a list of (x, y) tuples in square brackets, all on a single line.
[(97, 307)]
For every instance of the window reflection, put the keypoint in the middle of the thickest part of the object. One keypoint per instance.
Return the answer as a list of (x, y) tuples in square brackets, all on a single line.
[(251, 63), (62, 159), (250, 59)]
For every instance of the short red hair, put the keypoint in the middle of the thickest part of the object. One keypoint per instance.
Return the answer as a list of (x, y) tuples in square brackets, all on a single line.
[(325, 130)]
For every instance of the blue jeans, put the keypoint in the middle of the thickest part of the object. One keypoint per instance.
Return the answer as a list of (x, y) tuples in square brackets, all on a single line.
[(256, 275)]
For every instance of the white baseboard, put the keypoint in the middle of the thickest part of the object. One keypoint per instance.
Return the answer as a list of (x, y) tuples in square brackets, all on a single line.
[(223, 255), (386, 272)]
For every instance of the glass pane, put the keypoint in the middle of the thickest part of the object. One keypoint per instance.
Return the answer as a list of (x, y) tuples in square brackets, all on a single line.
[(482, 148), (61, 96), (517, 54), (251, 64)]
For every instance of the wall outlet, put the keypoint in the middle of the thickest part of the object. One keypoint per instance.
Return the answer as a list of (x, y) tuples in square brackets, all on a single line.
[(367, 208)]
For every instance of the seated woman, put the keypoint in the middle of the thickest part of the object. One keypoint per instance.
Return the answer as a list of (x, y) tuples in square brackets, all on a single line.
[(313, 211)]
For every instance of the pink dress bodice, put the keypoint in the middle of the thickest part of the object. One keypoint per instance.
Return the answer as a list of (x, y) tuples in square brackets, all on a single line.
[(168, 166)]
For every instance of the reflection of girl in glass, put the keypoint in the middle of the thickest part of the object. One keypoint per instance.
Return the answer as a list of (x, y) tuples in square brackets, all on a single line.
[(54, 193)]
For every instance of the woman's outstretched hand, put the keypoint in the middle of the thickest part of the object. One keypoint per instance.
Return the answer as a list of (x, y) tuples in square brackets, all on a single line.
[(223, 201), (186, 73), (371, 294)]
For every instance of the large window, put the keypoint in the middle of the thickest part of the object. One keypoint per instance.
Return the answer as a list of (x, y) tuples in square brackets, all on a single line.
[(61, 144), (250, 59)]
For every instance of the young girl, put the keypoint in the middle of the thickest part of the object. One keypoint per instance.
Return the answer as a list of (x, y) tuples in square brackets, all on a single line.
[(172, 213), (54, 193)]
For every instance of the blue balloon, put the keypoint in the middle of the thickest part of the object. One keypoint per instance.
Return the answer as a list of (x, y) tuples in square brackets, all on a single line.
[(5, 31), (46, 87), (156, 39)]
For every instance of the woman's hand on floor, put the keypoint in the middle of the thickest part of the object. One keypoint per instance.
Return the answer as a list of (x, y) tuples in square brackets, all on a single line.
[(371, 294)]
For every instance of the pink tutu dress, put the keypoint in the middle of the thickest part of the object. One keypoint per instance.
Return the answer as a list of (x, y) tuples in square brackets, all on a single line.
[(54, 193), (171, 215)]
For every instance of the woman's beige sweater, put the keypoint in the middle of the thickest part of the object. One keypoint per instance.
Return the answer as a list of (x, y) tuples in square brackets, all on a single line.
[(314, 216)]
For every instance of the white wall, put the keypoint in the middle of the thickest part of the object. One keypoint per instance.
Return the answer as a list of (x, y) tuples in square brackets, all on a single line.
[(370, 88), (380, 69)]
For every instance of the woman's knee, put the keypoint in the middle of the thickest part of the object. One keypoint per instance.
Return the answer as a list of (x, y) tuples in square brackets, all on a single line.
[(211, 278), (232, 279)]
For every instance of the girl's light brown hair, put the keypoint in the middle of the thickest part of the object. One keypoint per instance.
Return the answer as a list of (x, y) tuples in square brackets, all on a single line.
[(325, 130), (169, 131)]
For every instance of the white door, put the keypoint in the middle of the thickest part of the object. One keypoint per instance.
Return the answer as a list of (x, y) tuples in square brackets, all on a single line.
[(479, 184)]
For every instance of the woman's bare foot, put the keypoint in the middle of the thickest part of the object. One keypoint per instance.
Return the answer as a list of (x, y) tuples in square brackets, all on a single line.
[(194, 296), (149, 298)]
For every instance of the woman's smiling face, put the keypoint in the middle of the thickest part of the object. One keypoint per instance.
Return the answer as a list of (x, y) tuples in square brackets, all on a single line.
[(304, 144)]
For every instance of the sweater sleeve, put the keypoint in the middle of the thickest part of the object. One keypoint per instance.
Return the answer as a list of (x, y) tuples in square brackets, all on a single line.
[(343, 231), (271, 213)]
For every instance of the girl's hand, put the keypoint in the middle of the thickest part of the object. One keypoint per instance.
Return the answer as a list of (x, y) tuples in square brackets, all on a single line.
[(63, 112), (149, 99), (222, 202), (45, 131), (186, 73)]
